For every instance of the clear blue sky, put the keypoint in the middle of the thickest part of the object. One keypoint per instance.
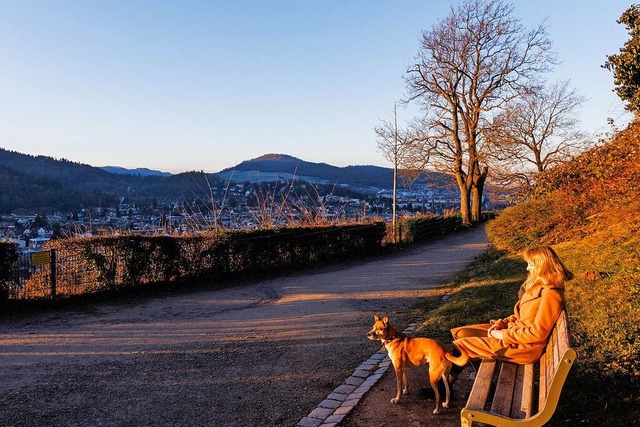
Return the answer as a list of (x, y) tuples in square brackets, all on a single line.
[(204, 85)]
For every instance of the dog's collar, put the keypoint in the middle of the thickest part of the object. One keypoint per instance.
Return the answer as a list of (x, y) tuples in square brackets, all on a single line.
[(388, 340)]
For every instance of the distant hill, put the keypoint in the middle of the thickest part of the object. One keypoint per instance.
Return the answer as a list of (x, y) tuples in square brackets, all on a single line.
[(40, 182), (138, 171), (282, 166), (45, 183)]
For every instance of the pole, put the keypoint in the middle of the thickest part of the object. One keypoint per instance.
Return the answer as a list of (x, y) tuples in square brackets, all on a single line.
[(395, 170)]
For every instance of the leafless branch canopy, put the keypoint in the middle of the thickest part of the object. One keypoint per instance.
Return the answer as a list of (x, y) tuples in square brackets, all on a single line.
[(535, 132), (470, 64)]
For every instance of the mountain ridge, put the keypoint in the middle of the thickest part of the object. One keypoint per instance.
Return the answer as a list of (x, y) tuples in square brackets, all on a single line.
[(119, 170), (290, 167)]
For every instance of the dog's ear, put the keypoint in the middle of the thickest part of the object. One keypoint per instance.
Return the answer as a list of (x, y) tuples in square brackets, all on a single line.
[(375, 317), (385, 320)]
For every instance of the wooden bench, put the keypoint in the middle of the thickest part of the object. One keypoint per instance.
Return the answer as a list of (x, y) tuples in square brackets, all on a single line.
[(513, 403)]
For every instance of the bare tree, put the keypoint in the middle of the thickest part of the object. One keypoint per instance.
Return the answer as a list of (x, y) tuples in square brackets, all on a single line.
[(393, 143), (470, 64), (536, 132)]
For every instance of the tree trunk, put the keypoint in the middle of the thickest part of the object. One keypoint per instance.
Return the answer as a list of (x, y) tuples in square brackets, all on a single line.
[(476, 204), (479, 177), (464, 182), (465, 210)]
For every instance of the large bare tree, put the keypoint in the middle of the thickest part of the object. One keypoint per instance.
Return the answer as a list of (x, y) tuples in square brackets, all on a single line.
[(470, 64), (536, 132)]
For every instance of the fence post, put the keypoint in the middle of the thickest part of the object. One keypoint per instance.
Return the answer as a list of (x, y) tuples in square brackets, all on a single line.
[(53, 272)]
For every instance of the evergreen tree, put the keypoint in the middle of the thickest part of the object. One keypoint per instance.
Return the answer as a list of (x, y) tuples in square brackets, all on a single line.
[(626, 64)]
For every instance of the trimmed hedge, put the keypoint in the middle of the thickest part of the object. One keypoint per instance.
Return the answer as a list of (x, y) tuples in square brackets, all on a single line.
[(98, 264), (420, 229)]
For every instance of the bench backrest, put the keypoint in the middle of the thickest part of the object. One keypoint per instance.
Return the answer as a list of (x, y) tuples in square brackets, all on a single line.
[(555, 364)]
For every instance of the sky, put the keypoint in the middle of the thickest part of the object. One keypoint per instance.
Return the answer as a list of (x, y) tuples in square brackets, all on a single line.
[(204, 85)]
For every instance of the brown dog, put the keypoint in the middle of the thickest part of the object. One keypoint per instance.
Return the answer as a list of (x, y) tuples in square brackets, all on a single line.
[(406, 352)]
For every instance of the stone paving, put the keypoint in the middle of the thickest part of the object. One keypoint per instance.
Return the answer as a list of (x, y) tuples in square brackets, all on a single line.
[(332, 410)]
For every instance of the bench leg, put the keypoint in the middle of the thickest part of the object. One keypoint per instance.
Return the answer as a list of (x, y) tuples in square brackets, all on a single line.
[(465, 420)]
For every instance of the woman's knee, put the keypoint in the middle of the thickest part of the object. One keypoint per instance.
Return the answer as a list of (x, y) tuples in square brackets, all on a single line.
[(470, 331)]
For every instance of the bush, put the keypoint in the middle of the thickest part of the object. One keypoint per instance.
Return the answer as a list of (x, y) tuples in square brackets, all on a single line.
[(541, 221), (426, 227)]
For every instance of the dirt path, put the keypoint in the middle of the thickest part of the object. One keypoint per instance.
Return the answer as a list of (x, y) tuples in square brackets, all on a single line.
[(414, 410), (263, 354)]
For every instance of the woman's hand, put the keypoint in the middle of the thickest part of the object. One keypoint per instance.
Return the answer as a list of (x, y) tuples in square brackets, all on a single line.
[(495, 325), (496, 333)]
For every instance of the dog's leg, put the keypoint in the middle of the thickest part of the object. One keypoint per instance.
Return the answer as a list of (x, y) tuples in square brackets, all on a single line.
[(400, 374), (434, 386), (434, 375), (405, 382), (447, 390)]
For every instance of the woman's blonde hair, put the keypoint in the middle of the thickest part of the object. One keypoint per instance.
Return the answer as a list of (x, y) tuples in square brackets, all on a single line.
[(547, 270)]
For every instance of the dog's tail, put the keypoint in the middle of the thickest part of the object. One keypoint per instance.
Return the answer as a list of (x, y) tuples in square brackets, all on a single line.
[(461, 360)]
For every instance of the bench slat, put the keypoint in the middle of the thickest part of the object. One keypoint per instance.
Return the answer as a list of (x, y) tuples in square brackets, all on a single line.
[(504, 389), (554, 344), (563, 333), (482, 385), (542, 393), (549, 363), (522, 405)]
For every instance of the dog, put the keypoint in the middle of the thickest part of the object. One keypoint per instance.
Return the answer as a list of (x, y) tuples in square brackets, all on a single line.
[(406, 352)]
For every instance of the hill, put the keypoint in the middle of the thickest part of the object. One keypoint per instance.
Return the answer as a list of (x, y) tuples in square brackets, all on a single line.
[(137, 171), (282, 166), (590, 211), (43, 183)]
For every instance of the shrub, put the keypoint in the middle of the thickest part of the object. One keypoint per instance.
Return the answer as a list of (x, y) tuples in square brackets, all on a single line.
[(427, 226)]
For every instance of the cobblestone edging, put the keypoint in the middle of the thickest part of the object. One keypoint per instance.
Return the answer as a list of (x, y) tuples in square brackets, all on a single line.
[(331, 411)]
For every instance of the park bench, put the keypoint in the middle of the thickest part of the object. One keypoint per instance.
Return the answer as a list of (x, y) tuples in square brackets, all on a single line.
[(508, 399)]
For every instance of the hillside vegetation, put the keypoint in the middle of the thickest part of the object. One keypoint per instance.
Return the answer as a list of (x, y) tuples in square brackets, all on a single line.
[(589, 209)]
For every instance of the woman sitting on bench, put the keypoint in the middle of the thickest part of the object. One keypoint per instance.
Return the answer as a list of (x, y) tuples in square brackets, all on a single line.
[(520, 338)]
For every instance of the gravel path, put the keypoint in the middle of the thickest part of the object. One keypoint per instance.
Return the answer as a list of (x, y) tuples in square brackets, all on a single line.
[(262, 354)]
